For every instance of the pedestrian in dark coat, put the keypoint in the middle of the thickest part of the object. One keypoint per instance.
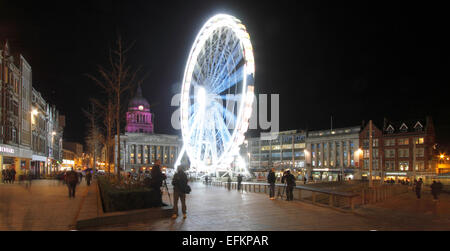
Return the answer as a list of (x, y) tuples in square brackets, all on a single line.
[(88, 177), (239, 180), (436, 190), (271, 180), (180, 188), (157, 180), (419, 188), (290, 184), (71, 181), (13, 175)]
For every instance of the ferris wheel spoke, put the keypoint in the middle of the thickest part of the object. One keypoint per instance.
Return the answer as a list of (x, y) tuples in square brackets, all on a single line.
[(222, 54), (230, 118), (230, 81), (230, 64)]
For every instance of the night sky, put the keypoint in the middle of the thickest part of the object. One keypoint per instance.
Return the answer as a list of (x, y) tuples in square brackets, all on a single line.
[(352, 62)]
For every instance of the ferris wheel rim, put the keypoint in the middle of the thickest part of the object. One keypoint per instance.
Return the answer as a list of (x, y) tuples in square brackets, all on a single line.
[(239, 30)]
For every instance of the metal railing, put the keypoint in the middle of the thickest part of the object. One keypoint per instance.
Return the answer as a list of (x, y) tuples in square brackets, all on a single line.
[(344, 200)]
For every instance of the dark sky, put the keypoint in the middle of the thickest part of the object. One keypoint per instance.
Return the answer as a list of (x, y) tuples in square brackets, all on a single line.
[(354, 62)]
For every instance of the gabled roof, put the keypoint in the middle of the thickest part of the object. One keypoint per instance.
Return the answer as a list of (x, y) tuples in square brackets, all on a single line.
[(410, 125)]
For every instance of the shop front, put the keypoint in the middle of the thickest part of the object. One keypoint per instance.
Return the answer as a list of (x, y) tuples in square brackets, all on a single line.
[(396, 176), (326, 174), (12, 157), (38, 164)]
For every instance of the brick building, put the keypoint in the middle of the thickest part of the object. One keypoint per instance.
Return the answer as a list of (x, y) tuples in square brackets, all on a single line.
[(400, 149)]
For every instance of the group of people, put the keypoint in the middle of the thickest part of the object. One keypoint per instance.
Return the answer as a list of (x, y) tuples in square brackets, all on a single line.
[(287, 179), (436, 188), (9, 175)]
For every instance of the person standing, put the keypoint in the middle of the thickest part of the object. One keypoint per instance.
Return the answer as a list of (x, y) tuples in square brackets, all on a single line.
[(419, 188), (435, 190), (157, 180), (180, 188), (239, 180), (71, 181), (229, 182), (206, 180), (88, 177), (4, 176), (271, 180), (13, 174), (290, 184)]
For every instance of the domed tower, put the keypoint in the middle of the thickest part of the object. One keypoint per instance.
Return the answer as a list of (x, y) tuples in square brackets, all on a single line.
[(139, 117)]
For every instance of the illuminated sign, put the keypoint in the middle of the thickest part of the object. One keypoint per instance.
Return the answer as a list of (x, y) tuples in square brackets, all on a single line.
[(68, 162), (6, 149), (397, 174)]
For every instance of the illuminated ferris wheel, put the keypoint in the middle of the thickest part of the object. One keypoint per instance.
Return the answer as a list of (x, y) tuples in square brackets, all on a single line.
[(217, 94)]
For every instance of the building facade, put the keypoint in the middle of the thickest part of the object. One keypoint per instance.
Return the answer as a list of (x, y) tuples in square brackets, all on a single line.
[(140, 147), (333, 155), (24, 119), (15, 95), (401, 149), (283, 152)]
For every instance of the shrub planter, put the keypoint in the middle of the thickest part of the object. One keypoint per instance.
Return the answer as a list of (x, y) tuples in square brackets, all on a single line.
[(120, 199)]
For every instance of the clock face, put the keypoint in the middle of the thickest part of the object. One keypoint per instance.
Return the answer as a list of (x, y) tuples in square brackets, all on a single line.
[(141, 108)]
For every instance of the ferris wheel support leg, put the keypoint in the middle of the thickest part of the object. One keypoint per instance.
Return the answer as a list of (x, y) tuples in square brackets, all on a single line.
[(180, 156)]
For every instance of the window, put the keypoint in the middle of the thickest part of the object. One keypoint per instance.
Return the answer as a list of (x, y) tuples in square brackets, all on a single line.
[(403, 153), (403, 141), (403, 128), (419, 152), (390, 129), (419, 141), (418, 127), (374, 142), (404, 165), (389, 153), (389, 142), (420, 166), (390, 165)]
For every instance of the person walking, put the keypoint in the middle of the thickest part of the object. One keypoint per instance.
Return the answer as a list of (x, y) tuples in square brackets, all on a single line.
[(418, 188), (206, 180), (271, 180), (290, 184), (71, 181), (180, 189), (239, 180), (88, 177), (157, 181)]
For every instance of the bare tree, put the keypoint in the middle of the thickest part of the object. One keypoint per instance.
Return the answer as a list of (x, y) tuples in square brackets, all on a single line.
[(94, 137), (107, 112), (119, 78)]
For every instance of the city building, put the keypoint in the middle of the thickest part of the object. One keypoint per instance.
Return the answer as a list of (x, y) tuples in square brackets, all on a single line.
[(333, 154), (25, 120), (401, 149), (15, 96), (140, 146), (39, 141), (77, 150), (286, 151)]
